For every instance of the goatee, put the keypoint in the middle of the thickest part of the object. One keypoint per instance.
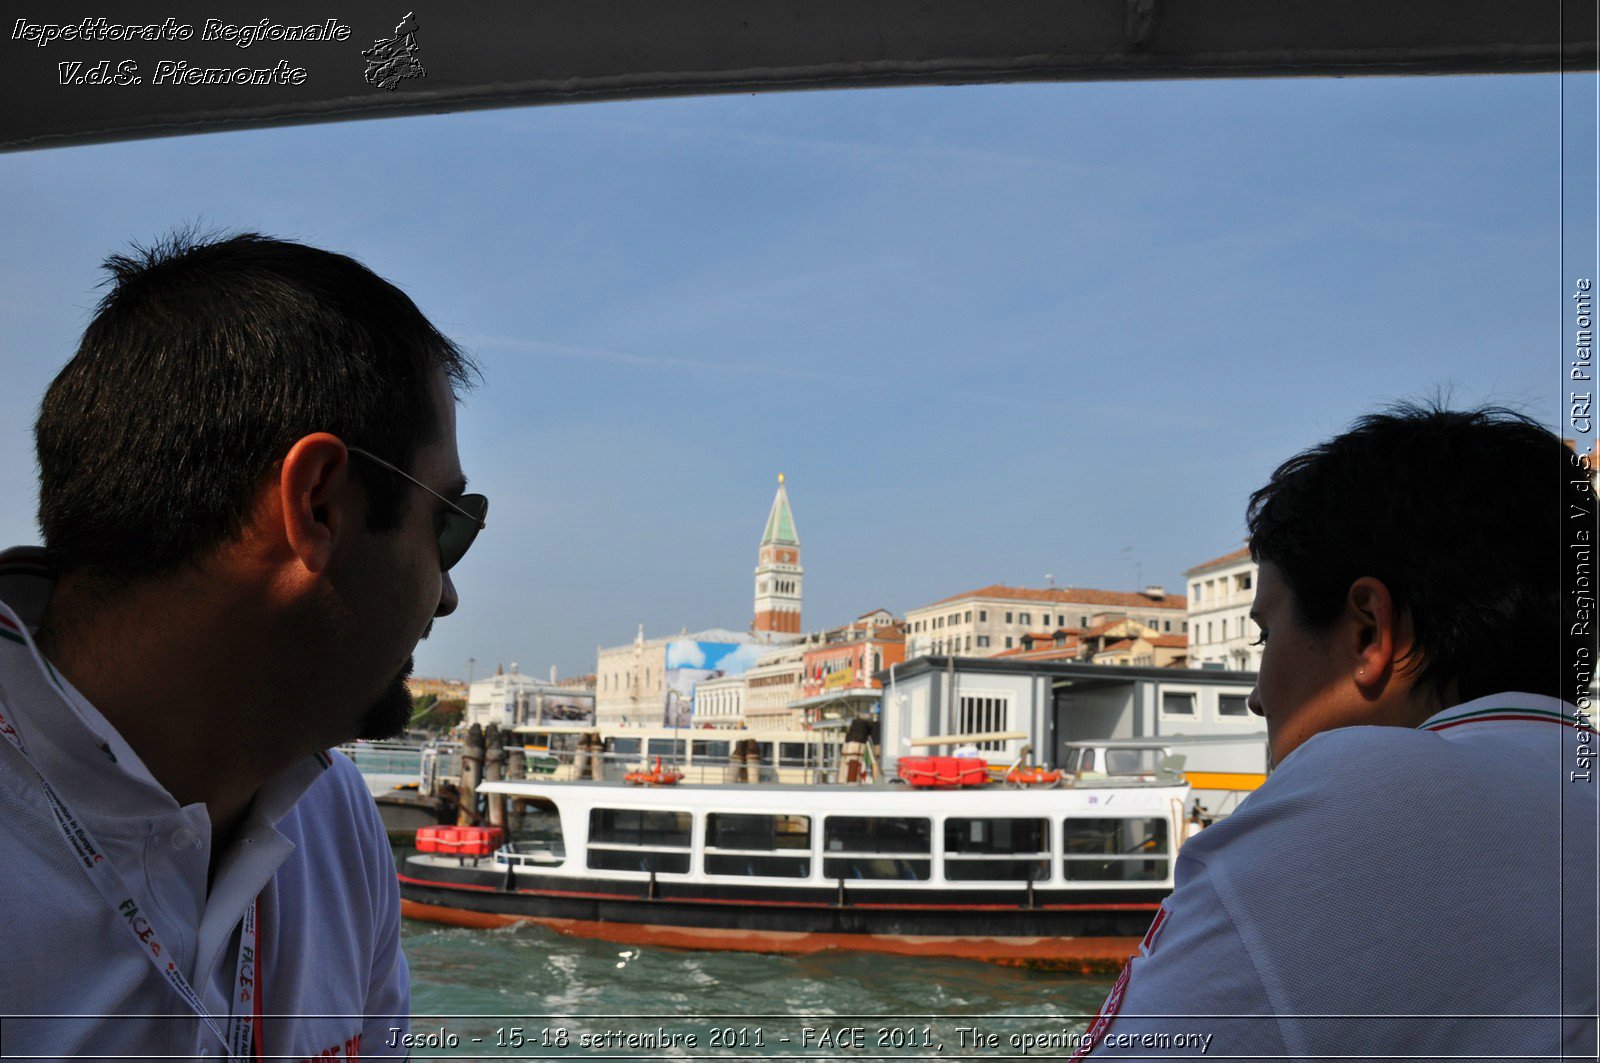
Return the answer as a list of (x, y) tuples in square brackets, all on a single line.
[(391, 713)]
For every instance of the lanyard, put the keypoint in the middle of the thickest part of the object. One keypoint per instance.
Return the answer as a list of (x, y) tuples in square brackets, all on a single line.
[(245, 1018)]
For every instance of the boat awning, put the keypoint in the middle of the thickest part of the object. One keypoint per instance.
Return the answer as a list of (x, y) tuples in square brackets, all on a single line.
[(852, 694), (499, 53)]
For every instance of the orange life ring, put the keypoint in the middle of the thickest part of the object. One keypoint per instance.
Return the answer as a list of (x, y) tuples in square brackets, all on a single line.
[(658, 777), (1032, 777)]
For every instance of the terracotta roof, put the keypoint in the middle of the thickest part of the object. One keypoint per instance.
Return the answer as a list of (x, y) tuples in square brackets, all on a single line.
[(1122, 644), (1100, 629), (1071, 595), (1047, 653), (1171, 642), (1226, 559)]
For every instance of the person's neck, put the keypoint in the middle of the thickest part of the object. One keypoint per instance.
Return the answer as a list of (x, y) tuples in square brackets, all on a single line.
[(167, 666)]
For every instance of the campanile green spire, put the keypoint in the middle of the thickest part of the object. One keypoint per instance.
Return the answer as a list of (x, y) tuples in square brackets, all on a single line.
[(779, 576), (780, 522)]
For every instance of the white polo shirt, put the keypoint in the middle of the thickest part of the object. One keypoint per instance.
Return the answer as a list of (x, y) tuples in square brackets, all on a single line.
[(73, 980), (1386, 893)]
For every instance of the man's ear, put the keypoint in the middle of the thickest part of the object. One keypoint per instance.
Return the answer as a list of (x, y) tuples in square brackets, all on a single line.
[(1378, 636), (314, 498)]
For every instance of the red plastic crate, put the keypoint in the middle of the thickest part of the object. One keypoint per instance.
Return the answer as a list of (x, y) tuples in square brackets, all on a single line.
[(459, 841), (944, 771)]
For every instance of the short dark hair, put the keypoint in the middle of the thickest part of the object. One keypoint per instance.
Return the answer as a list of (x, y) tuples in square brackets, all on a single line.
[(204, 362), (1459, 513)]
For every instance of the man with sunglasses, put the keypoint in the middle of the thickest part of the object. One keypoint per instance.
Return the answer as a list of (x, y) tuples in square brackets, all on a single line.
[(250, 497)]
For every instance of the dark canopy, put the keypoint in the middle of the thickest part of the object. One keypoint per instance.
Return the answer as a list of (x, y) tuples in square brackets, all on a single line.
[(497, 53)]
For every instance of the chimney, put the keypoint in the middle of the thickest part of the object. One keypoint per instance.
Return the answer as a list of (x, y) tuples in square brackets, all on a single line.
[(1155, 590)]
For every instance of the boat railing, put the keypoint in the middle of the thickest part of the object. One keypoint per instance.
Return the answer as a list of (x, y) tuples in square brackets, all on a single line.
[(531, 853), (566, 765)]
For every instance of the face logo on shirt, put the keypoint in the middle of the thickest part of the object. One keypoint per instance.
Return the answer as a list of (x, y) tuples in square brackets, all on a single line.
[(1108, 1011), (1113, 1004)]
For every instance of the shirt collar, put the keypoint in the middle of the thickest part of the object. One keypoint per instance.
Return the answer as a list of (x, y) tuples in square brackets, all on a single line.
[(76, 746), (1509, 707)]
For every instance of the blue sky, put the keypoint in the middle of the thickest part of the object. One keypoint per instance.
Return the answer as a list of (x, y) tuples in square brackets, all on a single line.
[(988, 333)]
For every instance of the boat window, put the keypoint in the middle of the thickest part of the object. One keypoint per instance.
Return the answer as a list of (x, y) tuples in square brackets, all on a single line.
[(794, 755), (990, 869), (636, 839), (766, 751), (701, 748), (987, 850), (726, 830), (639, 826), (877, 867), (877, 834), (665, 747), (752, 864), (645, 860), (1133, 761), (1115, 850), (622, 747), (993, 836), (1233, 705)]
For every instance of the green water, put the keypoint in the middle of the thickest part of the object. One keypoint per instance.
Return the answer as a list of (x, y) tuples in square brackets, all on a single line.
[(525, 990)]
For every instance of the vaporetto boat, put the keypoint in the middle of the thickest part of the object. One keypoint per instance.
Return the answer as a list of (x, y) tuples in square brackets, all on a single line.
[(1061, 877)]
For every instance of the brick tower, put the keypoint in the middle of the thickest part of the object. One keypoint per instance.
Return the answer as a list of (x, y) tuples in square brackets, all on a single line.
[(778, 574)]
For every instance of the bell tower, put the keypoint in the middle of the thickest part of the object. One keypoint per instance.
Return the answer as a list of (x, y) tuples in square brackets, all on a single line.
[(778, 571)]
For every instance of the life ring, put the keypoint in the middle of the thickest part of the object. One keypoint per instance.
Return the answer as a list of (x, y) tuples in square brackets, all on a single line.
[(1032, 777), (658, 777)]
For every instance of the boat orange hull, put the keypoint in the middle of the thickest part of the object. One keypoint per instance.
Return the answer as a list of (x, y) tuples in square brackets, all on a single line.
[(1083, 955)]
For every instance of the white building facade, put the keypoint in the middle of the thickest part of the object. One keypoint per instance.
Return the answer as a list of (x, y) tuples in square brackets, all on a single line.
[(770, 688), (630, 680), (720, 702), (1221, 633), (993, 619), (511, 699)]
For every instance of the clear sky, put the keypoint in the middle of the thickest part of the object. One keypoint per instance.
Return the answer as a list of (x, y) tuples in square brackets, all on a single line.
[(988, 333)]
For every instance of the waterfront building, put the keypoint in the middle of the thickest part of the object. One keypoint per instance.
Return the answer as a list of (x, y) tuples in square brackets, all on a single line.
[(993, 619), (1221, 633), (631, 680), (512, 699), (838, 680), (779, 576), (771, 686), (719, 702), (1059, 645), (1130, 643), (1054, 703)]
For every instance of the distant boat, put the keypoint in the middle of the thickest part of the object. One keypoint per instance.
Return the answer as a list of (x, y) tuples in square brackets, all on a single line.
[(393, 773), (1066, 878)]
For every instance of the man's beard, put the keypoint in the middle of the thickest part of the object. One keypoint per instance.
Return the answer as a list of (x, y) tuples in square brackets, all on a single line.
[(391, 713)]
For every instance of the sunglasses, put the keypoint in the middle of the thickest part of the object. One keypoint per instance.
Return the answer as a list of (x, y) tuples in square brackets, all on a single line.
[(461, 526)]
